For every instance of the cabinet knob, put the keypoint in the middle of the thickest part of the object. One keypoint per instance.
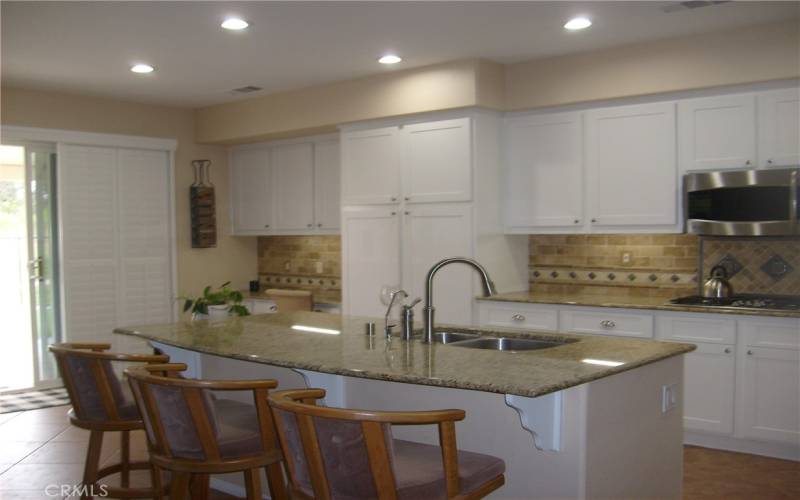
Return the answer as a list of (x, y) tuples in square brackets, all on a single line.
[(407, 198), (394, 198), (577, 221), (594, 220), (319, 224), (749, 353), (309, 225), (769, 161), (518, 317), (266, 225), (394, 213), (407, 212), (727, 350), (747, 162), (607, 323)]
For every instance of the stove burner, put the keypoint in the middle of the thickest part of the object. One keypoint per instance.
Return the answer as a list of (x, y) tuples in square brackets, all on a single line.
[(777, 302)]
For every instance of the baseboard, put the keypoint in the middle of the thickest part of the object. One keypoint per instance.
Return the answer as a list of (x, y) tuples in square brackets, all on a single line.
[(775, 450)]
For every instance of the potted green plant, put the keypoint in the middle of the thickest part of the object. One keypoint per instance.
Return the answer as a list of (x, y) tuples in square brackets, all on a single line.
[(215, 304)]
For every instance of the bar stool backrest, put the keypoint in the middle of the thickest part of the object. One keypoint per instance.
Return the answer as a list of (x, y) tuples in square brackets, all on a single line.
[(95, 390)]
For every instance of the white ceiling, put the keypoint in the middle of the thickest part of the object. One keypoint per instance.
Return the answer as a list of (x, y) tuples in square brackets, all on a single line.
[(87, 47)]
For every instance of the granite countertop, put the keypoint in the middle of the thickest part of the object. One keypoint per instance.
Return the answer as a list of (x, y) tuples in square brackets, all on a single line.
[(627, 302), (274, 339), (322, 298)]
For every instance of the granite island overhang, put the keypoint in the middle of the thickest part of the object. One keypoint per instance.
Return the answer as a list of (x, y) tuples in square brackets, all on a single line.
[(582, 401)]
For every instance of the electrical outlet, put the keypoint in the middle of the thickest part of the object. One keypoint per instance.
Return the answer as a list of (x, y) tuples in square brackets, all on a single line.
[(287, 266), (669, 397), (626, 257), (318, 267)]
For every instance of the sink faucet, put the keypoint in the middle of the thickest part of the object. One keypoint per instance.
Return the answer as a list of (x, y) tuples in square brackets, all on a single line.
[(428, 310)]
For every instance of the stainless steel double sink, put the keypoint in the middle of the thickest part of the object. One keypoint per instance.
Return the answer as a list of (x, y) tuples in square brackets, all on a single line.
[(510, 344)]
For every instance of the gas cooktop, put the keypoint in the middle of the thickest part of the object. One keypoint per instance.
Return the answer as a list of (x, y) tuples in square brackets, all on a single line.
[(775, 302)]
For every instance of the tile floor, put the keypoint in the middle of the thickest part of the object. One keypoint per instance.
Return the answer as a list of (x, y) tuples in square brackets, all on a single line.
[(39, 448)]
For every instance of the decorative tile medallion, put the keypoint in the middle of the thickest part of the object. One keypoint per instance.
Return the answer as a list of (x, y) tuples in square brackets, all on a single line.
[(731, 265), (776, 268)]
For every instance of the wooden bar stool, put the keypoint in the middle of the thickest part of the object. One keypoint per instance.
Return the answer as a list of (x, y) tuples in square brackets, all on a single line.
[(102, 403), (335, 453), (193, 433)]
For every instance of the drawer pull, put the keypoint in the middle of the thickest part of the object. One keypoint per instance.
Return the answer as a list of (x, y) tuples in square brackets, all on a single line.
[(749, 353), (518, 317), (607, 323), (727, 350)]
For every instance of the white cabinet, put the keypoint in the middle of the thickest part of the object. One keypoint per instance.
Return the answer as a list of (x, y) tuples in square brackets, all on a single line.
[(717, 132), (327, 214), (606, 321), (431, 233), (544, 171), (293, 190), (631, 166), (250, 191), (437, 161), (779, 128), (416, 163), (370, 257), (371, 162), (769, 395), (514, 315), (286, 187), (708, 388)]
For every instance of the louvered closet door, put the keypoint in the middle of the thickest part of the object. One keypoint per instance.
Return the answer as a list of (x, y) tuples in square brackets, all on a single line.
[(144, 236), (87, 193)]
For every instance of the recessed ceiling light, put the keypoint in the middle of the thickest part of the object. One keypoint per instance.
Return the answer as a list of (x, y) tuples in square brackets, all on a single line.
[(142, 68), (578, 23), (235, 24), (390, 59)]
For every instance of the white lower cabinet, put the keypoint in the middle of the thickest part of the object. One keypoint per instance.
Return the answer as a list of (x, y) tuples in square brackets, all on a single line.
[(606, 321), (708, 388), (514, 315)]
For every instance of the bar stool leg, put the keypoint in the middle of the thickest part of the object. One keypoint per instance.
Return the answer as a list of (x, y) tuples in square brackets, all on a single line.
[(201, 487), (276, 483), (252, 481), (155, 480), (125, 465), (180, 486), (92, 462)]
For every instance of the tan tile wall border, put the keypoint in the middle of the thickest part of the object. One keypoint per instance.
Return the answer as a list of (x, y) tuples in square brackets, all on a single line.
[(290, 262)]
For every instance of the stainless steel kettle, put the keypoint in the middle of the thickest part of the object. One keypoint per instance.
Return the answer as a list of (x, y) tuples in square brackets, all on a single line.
[(717, 285)]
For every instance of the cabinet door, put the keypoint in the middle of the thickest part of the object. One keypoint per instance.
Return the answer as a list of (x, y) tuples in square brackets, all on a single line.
[(631, 166), (708, 387), (370, 258), (769, 395), (437, 161), (779, 128), (544, 171), (717, 132), (370, 166), (251, 202), (432, 233), (327, 210), (293, 175)]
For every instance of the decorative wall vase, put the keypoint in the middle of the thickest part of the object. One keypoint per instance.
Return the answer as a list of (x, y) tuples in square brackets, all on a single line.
[(203, 206)]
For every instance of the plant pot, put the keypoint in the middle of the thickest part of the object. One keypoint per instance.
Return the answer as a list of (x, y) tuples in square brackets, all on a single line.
[(218, 313)]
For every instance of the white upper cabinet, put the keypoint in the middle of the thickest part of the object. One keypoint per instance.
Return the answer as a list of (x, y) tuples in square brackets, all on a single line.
[(544, 171), (371, 166), (717, 132), (250, 191), (286, 187), (326, 185), (631, 166), (779, 128), (293, 177), (433, 232), (370, 258), (437, 161)]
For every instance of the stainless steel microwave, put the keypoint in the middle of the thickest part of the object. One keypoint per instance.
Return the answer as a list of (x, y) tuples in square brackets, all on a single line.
[(743, 202)]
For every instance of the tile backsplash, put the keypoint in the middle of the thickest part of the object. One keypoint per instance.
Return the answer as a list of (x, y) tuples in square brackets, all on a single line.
[(642, 264), (756, 265), (291, 262)]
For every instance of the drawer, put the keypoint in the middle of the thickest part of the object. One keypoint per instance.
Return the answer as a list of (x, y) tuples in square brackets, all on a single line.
[(695, 328), (514, 315), (607, 321), (781, 333)]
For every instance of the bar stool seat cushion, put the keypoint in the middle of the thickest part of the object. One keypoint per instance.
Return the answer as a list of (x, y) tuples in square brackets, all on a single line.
[(420, 474), (237, 427)]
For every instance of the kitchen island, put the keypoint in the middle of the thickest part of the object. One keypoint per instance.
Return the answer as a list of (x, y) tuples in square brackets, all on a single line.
[(590, 417)]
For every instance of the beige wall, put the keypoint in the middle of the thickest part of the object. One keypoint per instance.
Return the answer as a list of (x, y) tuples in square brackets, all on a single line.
[(321, 108), (233, 258), (743, 55)]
